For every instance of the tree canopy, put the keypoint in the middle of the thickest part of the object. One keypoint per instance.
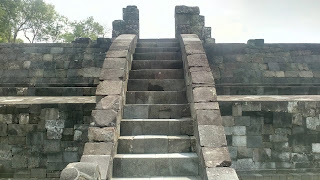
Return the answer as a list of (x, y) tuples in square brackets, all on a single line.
[(39, 22)]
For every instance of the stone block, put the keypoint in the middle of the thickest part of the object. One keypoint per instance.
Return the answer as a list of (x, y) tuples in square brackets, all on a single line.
[(239, 130), (102, 160), (19, 161), (56, 50), (20, 129), (209, 117), (103, 118), (109, 87), (47, 57), (96, 134), (273, 66), (81, 170), (100, 148), (244, 152), (54, 157), (117, 54), (204, 94), (227, 121), (255, 42), (216, 157), (115, 63), (194, 48), (242, 120), (281, 156), (112, 74), (49, 114), (90, 72), (239, 140), (70, 156), (236, 110), (5, 118), (254, 141), (212, 136), (312, 123), (254, 129), (110, 102), (52, 146), (222, 173), (23, 118), (3, 130), (316, 147), (206, 106), (54, 128), (38, 173), (261, 154), (202, 77), (306, 74), (197, 60)]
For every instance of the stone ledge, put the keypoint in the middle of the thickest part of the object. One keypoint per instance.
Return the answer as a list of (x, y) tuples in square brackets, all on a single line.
[(280, 98), (14, 100)]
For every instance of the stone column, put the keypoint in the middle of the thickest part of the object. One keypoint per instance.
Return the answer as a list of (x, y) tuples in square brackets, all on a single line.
[(129, 24), (189, 21)]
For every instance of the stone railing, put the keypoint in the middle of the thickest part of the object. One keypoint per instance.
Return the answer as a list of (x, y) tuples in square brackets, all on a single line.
[(209, 132), (104, 129)]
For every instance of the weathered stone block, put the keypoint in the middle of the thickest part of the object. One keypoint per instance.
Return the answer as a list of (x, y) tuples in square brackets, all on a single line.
[(96, 134), (242, 120), (212, 136), (102, 160), (81, 170), (112, 74), (104, 118), (23, 118), (239, 130), (316, 147), (47, 57), (187, 10), (216, 157), (204, 94), (54, 128), (227, 121), (195, 48), (49, 114), (56, 50), (52, 146), (117, 54), (100, 148), (202, 77), (312, 123), (38, 173), (244, 152), (70, 156), (261, 154), (222, 173), (209, 117), (5, 118), (109, 102), (239, 140), (254, 141), (109, 87), (3, 129), (115, 63), (236, 110), (197, 60), (206, 106)]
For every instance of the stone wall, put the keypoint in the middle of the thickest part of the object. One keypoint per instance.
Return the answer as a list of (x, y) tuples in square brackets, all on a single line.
[(129, 24), (289, 67), (39, 140), (51, 69), (270, 135)]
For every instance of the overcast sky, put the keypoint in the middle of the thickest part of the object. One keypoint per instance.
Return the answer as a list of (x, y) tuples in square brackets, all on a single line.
[(232, 21)]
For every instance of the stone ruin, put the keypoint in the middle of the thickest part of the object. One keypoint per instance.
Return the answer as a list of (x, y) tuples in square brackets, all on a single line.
[(185, 108)]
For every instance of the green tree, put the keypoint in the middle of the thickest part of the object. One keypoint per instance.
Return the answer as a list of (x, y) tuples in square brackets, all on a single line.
[(85, 28)]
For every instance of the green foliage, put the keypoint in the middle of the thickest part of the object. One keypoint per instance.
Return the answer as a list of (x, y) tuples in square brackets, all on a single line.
[(85, 28), (39, 22)]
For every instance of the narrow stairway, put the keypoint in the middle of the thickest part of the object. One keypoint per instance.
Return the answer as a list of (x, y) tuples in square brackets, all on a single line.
[(156, 137)]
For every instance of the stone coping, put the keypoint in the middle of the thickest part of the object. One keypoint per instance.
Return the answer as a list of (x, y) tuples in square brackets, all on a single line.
[(11, 100), (275, 98)]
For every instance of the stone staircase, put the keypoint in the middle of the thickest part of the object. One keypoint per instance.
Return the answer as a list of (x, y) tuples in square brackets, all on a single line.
[(156, 137)]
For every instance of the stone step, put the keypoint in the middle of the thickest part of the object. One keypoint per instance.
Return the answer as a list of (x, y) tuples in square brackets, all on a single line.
[(157, 44), (155, 144), (133, 127), (159, 40), (157, 49), (156, 111), (157, 74), (156, 85), (162, 178), (157, 56), (146, 165), (156, 97), (164, 64)]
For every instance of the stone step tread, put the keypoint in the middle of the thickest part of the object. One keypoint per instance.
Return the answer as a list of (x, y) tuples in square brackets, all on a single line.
[(156, 97), (158, 44), (162, 120), (157, 49), (156, 137), (158, 40), (156, 84), (162, 178), (157, 56), (157, 74), (164, 64), (157, 156)]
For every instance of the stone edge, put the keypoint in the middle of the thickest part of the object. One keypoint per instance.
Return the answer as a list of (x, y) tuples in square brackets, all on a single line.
[(104, 128), (202, 97)]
